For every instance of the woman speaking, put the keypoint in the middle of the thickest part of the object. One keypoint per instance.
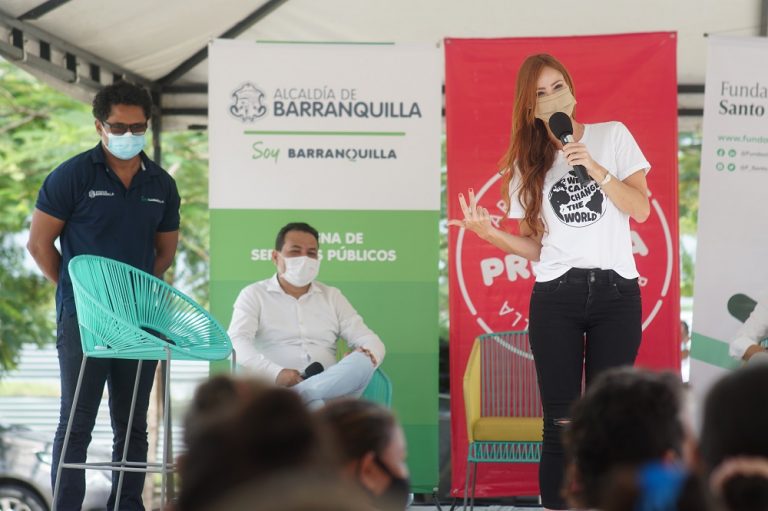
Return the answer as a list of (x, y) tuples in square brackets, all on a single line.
[(585, 310)]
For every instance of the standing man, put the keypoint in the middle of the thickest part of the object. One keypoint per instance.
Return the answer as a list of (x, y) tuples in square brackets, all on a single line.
[(111, 201), (283, 325)]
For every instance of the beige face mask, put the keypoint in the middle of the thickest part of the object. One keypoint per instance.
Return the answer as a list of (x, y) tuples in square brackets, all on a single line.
[(560, 101)]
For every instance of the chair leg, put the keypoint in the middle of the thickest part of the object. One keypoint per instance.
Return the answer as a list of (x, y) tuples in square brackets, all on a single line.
[(62, 456), (166, 424), (171, 483), (474, 482), (123, 464), (466, 485)]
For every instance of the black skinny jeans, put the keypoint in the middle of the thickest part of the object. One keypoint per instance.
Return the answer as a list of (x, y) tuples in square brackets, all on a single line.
[(583, 322)]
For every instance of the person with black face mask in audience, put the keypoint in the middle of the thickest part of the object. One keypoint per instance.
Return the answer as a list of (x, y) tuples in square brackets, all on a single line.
[(372, 448), (244, 435)]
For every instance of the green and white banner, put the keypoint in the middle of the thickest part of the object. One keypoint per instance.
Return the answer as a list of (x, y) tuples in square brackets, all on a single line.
[(345, 137), (732, 251)]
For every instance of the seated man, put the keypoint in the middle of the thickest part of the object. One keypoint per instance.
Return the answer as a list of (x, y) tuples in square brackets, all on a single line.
[(285, 323)]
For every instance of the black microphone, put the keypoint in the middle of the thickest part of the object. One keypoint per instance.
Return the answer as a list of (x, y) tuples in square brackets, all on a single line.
[(562, 127), (312, 369)]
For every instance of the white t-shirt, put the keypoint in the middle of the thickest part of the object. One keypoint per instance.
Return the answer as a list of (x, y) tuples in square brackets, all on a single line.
[(583, 228)]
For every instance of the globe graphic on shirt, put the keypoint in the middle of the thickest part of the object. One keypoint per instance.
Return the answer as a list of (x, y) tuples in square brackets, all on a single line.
[(576, 205)]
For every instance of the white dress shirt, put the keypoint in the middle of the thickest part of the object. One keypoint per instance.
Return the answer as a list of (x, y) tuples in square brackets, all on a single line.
[(754, 329), (272, 331)]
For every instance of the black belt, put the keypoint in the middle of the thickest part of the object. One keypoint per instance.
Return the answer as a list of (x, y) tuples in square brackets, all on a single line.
[(584, 275)]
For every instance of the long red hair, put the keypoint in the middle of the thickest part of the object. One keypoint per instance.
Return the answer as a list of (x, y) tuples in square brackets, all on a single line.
[(530, 152)]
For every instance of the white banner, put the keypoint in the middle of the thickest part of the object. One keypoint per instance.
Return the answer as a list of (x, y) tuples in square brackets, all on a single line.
[(732, 252), (339, 126)]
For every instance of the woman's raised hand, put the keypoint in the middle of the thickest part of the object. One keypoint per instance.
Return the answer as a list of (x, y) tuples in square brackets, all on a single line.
[(476, 218)]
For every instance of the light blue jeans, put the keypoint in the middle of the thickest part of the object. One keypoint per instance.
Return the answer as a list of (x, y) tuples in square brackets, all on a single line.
[(347, 378)]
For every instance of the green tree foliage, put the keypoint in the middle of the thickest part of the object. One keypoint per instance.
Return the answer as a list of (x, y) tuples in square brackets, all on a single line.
[(443, 263), (689, 158), (185, 156), (38, 129)]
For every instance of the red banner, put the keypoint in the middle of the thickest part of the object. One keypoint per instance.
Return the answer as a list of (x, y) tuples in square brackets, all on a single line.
[(629, 78)]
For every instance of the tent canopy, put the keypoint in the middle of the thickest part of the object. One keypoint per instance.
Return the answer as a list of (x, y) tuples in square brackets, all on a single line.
[(78, 46)]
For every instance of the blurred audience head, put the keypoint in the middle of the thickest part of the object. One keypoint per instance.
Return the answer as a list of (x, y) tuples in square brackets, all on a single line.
[(241, 431), (296, 492), (734, 439), (626, 419), (372, 447), (655, 486)]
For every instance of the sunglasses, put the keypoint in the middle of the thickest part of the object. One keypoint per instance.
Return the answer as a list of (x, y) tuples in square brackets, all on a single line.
[(119, 128)]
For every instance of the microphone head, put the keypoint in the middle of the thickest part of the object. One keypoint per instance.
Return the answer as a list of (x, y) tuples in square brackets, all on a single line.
[(560, 125), (313, 369)]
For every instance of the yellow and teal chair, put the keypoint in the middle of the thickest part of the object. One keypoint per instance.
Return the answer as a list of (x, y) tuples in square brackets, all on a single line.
[(126, 313), (502, 405)]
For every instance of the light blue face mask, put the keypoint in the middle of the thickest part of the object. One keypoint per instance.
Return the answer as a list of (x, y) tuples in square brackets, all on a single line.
[(125, 146)]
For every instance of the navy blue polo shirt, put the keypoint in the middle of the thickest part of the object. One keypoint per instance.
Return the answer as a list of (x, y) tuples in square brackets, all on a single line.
[(104, 218)]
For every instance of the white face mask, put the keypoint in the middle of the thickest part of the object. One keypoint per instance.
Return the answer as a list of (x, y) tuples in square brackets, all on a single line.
[(300, 271)]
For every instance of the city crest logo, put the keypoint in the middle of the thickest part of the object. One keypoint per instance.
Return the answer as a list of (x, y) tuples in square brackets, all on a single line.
[(248, 103)]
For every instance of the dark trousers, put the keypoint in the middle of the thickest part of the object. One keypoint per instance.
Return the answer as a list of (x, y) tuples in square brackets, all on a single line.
[(581, 323), (119, 375)]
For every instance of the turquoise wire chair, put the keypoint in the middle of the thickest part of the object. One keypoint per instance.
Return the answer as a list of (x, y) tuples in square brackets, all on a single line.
[(379, 389), (126, 313), (502, 404)]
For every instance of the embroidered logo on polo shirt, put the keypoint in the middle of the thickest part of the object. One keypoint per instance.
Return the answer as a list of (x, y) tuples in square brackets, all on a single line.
[(152, 199), (100, 193), (576, 205)]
